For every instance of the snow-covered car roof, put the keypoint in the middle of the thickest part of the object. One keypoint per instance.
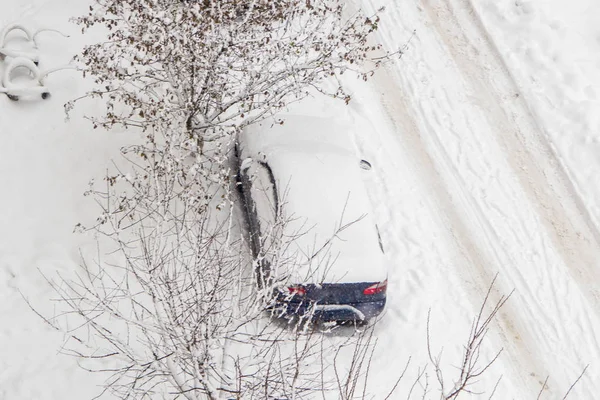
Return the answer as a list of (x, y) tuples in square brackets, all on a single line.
[(319, 182)]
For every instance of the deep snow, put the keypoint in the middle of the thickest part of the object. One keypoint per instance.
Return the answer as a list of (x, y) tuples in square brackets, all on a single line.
[(484, 142)]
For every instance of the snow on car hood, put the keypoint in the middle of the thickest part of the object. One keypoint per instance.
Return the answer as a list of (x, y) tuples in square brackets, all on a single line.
[(319, 183)]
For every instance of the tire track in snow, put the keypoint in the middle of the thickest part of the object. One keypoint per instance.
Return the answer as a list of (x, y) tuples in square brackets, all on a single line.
[(527, 148), (541, 177), (478, 240), (469, 254), (450, 215), (457, 238)]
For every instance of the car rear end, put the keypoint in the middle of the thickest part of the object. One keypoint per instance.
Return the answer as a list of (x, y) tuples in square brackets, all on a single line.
[(356, 301)]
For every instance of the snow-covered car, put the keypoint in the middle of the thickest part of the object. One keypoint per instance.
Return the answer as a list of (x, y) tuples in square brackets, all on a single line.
[(311, 232)]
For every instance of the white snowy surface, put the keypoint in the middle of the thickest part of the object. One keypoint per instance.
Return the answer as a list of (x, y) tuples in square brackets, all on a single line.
[(484, 142), (552, 50), (498, 197), (45, 166)]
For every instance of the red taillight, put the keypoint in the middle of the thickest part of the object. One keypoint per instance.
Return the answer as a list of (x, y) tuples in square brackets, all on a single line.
[(380, 287), (297, 290)]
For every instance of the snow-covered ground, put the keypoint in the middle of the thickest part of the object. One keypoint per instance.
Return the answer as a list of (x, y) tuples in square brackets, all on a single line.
[(498, 188), (484, 141)]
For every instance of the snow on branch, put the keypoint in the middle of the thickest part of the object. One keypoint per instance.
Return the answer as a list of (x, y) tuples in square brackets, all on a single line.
[(172, 305), (208, 67), (472, 367)]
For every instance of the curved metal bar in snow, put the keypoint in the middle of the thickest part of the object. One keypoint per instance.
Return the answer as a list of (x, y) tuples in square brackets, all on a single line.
[(31, 38), (48, 30), (31, 34), (45, 73), (4, 52), (16, 91), (12, 27), (19, 91), (20, 62)]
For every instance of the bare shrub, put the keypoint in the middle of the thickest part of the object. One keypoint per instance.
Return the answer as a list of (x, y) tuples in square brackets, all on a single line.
[(174, 311), (471, 367)]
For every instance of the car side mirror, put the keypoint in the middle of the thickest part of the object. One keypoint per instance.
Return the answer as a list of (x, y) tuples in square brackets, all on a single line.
[(364, 164), (246, 164)]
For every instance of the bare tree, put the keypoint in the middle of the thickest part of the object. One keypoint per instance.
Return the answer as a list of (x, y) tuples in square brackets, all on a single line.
[(207, 66), (190, 73), (471, 367)]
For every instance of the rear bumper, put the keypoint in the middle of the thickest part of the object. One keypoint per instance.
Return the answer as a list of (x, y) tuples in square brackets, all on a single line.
[(362, 311)]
